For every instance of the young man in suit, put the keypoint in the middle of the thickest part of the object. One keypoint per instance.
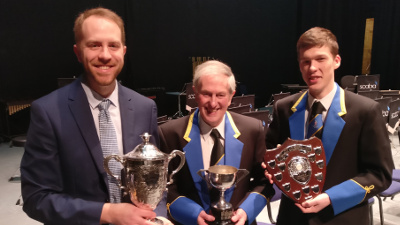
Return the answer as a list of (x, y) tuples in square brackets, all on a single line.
[(63, 178), (356, 143), (243, 140)]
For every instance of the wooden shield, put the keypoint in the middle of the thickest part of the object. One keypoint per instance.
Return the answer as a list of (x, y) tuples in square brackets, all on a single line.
[(298, 168)]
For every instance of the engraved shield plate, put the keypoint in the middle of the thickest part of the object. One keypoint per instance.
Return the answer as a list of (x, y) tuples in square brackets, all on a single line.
[(298, 168)]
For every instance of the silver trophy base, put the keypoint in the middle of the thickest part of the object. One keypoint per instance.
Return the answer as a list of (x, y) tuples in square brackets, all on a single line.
[(222, 216), (157, 221)]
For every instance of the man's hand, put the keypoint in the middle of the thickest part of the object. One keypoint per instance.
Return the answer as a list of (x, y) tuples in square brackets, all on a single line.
[(239, 217), (316, 204), (204, 218), (266, 174), (125, 214)]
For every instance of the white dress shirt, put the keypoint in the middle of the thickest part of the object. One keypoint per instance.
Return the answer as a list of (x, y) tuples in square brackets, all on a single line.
[(207, 142), (94, 100), (325, 101)]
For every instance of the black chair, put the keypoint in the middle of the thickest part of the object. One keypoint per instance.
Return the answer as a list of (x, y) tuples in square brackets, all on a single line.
[(262, 115), (396, 175), (349, 82), (371, 202), (392, 191)]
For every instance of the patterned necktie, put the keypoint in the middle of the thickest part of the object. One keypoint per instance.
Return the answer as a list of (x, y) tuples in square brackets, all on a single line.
[(109, 145), (218, 149), (315, 123)]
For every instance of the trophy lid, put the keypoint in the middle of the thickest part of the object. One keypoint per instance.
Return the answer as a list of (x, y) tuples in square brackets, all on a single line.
[(145, 150)]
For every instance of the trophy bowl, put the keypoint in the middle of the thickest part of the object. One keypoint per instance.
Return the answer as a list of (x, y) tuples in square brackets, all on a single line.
[(222, 177), (145, 173), (146, 182)]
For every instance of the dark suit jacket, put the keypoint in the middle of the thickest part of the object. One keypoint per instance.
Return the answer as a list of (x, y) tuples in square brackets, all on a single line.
[(244, 148), (63, 178), (357, 148)]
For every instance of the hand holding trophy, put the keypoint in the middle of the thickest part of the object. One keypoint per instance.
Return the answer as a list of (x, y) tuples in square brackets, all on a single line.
[(222, 177), (145, 171)]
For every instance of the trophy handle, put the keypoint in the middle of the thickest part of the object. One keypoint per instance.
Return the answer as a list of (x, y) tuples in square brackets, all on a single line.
[(240, 174), (173, 154), (105, 163), (200, 173)]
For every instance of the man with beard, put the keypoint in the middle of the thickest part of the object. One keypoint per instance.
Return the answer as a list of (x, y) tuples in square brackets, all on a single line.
[(62, 174)]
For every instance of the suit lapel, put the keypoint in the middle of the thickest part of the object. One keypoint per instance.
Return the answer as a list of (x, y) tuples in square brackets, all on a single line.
[(79, 107), (194, 157), (297, 119), (127, 112), (334, 123), (233, 148)]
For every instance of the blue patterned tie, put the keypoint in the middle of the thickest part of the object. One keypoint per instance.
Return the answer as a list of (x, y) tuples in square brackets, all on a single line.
[(315, 123), (109, 145)]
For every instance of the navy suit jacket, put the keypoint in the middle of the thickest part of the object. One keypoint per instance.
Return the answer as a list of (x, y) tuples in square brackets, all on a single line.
[(62, 175)]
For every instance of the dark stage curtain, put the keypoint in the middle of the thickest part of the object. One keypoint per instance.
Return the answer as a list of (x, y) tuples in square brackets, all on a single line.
[(257, 38)]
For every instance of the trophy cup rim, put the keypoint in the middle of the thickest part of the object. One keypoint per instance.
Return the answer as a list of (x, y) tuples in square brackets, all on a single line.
[(222, 169)]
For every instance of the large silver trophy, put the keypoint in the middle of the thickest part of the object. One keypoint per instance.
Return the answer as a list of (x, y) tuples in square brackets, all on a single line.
[(222, 177), (145, 171)]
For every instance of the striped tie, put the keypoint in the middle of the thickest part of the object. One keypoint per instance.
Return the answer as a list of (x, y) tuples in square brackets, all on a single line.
[(108, 142), (315, 123)]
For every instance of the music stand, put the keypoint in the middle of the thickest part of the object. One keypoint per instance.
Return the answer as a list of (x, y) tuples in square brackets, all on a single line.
[(384, 102), (240, 109), (372, 94), (281, 95), (179, 113), (243, 100), (294, 88), (262, 115), (190, 97), (392, 95), (368, 82), (393, 123)]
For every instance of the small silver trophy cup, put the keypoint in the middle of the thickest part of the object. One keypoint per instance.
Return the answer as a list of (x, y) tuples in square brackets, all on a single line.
[(144, 173), (222, 177)]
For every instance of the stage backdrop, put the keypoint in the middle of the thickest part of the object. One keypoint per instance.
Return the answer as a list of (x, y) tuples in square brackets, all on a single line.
[(257, 38)]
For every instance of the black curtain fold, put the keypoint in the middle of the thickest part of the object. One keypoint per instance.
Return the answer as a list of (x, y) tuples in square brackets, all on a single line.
[(257, 38)]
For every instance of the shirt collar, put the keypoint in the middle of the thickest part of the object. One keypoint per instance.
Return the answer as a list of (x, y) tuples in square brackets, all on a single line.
[(205, 129), (94, 98), (325, 101)]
